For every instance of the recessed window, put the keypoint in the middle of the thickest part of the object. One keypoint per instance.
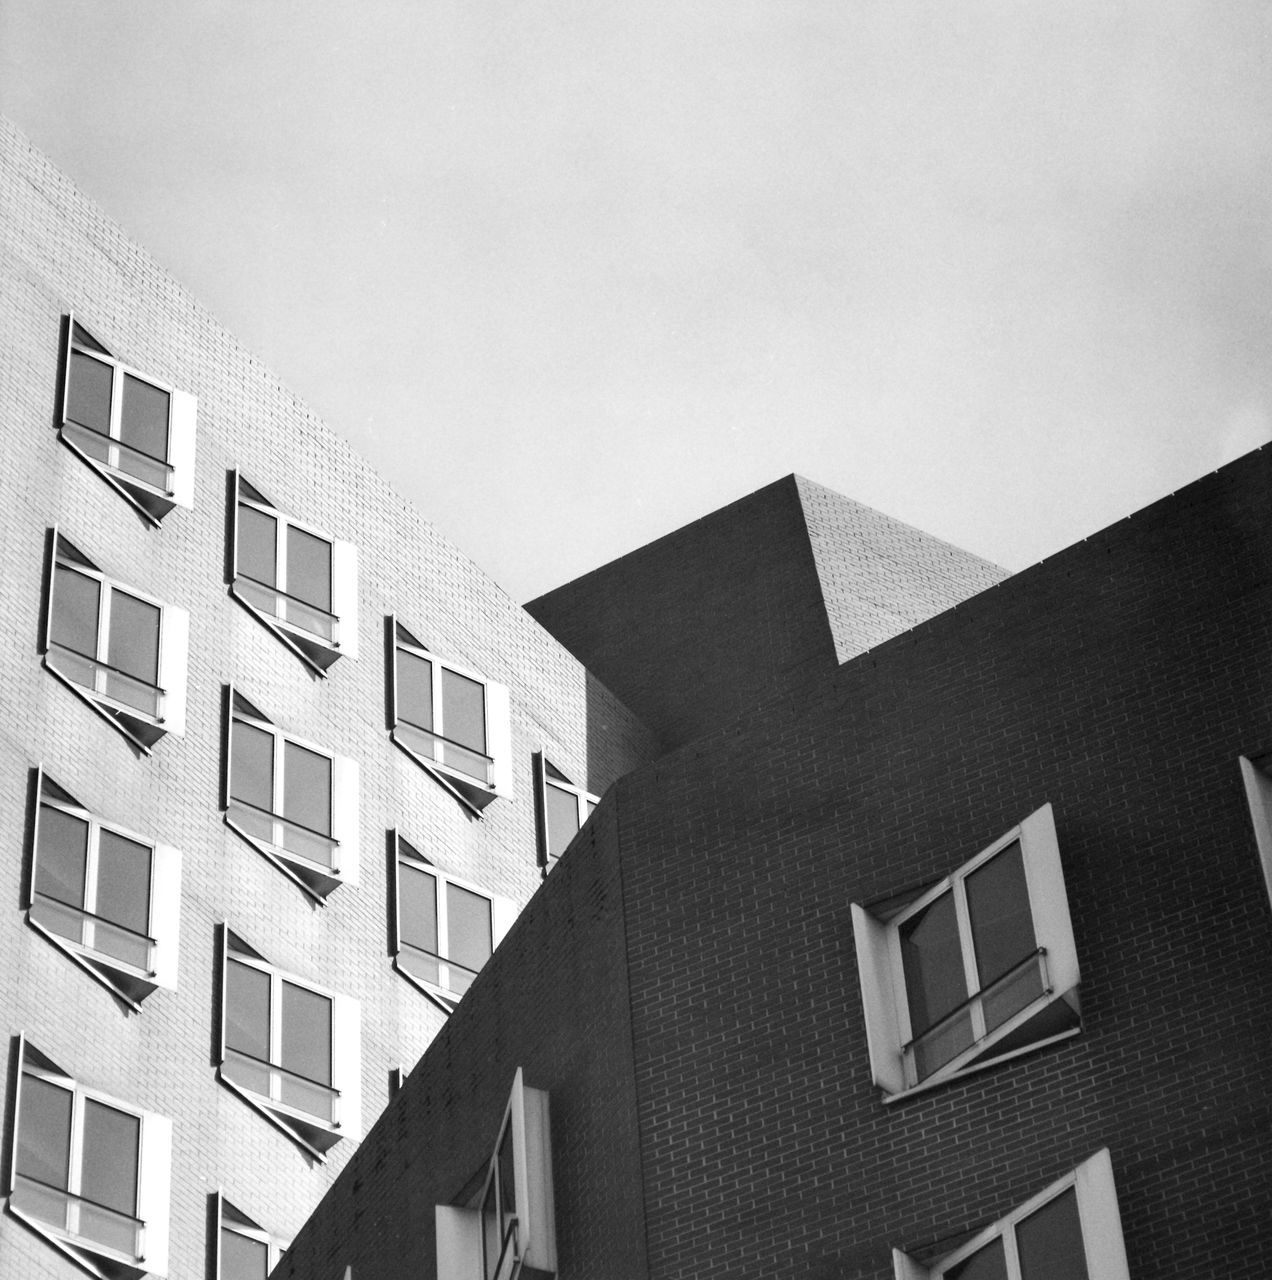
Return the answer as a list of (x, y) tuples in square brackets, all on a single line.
[(1069, 1231), (244, 1249), (134, 431), (291, 800), (119, 649), (107, 897), (289, 1048), (562, 809), (452, 722), (301, 583), (976, 968), (89, 1173), (444, 929)]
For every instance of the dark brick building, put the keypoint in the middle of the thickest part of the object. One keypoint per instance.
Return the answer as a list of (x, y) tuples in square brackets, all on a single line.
[(951, 960)]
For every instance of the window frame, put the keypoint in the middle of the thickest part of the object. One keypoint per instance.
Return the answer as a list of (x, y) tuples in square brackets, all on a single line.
[(313, 877), (312, 1132), (1258, 790), (154, 1172), (316, 651), (130, 983), (142, 729), (882, 977), (546, 775), (503, 912), (152, 502), (228, 1217), (472, 793)]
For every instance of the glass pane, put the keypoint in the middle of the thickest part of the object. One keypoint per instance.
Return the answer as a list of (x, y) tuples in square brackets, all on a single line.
[(123, 882), (247, 1010), (563, 819), (490, 1232), (998, 903), (62, 857), (88, 401), (306, 1048), (134, 637), (415, 689), (109, 1172), (241, 1258), (417, 907), (468, 927), (257, 545), (988, 1263), (144, 417), (507, 1179), (933, 962), (44, 1132), (464, 710), (307, 788), (1049, 1241), (309, 568), (75, 606), (252, 768)]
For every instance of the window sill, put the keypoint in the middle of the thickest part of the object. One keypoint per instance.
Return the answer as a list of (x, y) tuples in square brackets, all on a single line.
[(315, 882), (315, 652)]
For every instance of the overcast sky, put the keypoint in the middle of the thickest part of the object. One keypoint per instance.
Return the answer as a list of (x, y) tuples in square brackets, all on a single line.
[(575, 272)]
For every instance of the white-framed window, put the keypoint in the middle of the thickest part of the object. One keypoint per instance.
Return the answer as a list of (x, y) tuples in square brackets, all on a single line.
[(300, 582), (289, 1048), (119, 649), (1258, 787), (974, 969), (89, 1173), (1069, 1231), (452, 722), (291, 800), (561, 809), (106, 896), (443, 929), (244, 1250), (510, 1228), (136, 432)]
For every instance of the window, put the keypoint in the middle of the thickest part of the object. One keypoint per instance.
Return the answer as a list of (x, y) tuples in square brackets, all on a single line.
[(107, 897), (292, 801), (509, 1230), (974, 969), (289, 1048), (1070, 1231), (302, 584), (1258, 785), (444, 929), (135, 432), (562, 809), (449, 721), (89, 1173), (244, 1249), (123, 652)]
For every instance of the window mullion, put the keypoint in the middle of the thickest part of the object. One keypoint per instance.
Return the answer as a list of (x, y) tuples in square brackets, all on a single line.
[(88, 931), (116, 407), (279, 793), (439, 721), (105, 599), (275, 1035), (443, 932), (966, 944), (281, 531)]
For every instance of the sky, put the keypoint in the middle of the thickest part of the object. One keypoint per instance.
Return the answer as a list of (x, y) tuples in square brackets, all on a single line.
[(573, 273)]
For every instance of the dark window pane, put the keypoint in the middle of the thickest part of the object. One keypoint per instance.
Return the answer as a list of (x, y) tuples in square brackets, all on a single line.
[(75, 603), (247, 1010), (998, 903), (306, 1047), (241, 1258), (134, 637), (933, 962), (1050, 1241), (62, 856), (252, 768), (415, 689), (109, 1172), (309, 568), (417, 905), (123, 882), (89, 400), (563, 819), (468, 927), (988, 1263), (44, 1132), (464, 710), (307, 788), (257, 545), (144, 418)]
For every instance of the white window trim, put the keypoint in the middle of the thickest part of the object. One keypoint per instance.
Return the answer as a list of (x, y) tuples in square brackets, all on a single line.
[(150, 501), (229, 1217), (154, 1172), (1102, 1241), (316, 651), (882, 975), (315, 879), (503, 912), (140, 728), (542, 781), (125, 981), (533, 1255), (313, 1133), (470, 791), (1258, 789)]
